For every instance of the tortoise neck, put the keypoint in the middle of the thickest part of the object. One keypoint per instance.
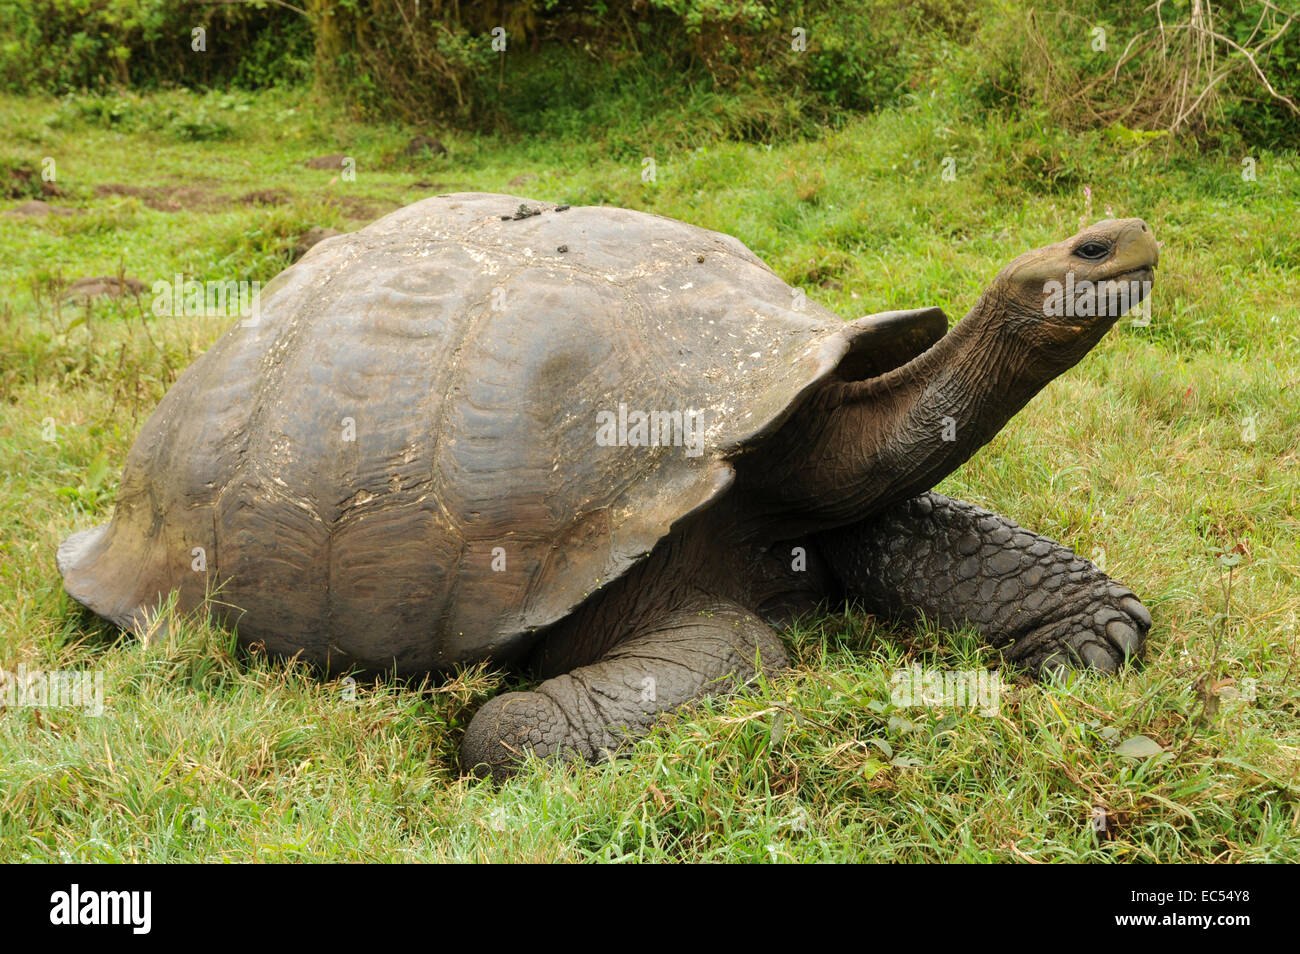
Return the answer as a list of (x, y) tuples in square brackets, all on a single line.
[(939, 408), (947, 403), (857, 446), (943, 358)]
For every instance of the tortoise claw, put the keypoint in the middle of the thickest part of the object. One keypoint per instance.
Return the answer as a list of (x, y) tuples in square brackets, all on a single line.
[(1103, 636)]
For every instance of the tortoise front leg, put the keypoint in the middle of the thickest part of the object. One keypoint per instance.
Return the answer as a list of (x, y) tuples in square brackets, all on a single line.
[(961, 565), (703, 647)]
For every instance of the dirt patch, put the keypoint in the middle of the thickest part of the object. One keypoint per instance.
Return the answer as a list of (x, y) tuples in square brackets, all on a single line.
[(355, 207), (84, 289), (522, 179), (167, 198), (19, 179), (266, 197), (35, 208), (310, 238), (439, 186)]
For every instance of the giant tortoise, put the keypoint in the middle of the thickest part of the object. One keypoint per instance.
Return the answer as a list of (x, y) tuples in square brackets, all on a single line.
[(604, 446)]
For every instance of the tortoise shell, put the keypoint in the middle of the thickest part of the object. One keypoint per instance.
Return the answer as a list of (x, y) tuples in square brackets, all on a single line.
[(429, 444)]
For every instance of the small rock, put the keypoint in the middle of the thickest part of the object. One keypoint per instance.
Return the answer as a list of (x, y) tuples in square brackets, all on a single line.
[(422, 144), (562, 208), (562, 248), (84, 289), (332, 161)]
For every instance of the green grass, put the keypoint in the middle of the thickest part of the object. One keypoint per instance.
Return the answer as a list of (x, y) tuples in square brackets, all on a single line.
[(1137, 457)]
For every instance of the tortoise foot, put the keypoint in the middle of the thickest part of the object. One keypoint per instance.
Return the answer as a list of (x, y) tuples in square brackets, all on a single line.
[(507, 728), (702, 647), (1039, 602), (1104, 635)]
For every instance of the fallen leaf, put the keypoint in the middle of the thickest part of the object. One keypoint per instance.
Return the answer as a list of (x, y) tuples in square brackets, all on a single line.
[(1139, 747)]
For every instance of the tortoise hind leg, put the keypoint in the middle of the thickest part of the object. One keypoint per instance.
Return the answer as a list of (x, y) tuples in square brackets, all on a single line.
[(704, 647), (962, 565)]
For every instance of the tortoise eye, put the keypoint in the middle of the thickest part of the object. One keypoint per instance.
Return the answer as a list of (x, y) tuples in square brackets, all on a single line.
[(1093, 251)]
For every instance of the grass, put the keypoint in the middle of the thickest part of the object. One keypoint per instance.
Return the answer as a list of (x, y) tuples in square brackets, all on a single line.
[(1169, 454)]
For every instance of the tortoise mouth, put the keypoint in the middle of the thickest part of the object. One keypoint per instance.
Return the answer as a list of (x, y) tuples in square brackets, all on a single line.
[(1139, 281), (1144, 273)]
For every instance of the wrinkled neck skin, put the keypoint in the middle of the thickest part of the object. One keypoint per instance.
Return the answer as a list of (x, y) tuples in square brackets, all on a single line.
[(855, 447)]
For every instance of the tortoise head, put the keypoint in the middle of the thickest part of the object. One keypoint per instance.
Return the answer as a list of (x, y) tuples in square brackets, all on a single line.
[(1059, 300), (869, 438)]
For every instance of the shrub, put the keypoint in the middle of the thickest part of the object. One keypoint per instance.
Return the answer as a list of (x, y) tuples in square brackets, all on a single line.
[(66, 45), (1208, 69), (782, 67)]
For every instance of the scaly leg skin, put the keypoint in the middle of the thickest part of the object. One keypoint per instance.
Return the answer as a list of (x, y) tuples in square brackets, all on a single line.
[(961, 565), (703, 648)]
